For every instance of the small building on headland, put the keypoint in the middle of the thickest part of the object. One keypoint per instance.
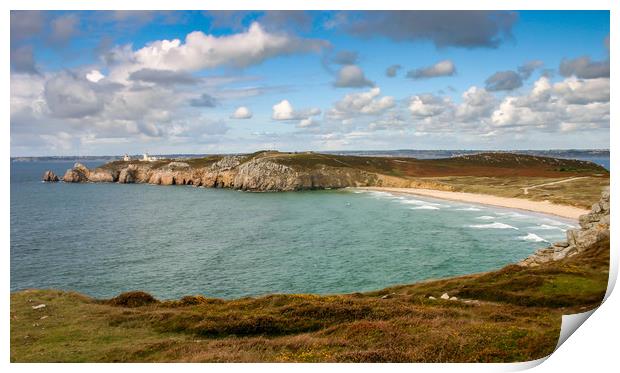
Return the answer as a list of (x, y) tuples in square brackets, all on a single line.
[(126, 158), (147, 158)]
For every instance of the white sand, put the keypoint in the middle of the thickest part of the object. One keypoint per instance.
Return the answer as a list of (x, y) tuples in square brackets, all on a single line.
[(546, 207)]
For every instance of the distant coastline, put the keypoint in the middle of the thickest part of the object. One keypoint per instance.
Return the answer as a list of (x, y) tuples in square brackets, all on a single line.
[(599, 156)]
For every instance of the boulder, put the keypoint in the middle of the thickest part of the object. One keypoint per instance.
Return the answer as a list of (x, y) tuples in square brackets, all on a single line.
[(50, 177), (445, 296)]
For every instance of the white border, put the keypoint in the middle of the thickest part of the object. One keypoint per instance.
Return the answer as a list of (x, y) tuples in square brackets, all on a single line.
[(592, 348)]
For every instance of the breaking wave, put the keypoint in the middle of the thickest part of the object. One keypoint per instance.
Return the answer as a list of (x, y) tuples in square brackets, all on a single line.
[(494, 225), (533, 238)]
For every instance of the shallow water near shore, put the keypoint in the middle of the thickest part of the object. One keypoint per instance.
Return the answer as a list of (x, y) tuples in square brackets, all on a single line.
[(103, 239)]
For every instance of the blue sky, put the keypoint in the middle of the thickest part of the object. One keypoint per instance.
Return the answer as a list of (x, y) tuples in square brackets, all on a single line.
[(117, 82)]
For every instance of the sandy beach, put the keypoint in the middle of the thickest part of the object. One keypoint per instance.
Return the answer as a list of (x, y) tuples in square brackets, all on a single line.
[(545, 207)]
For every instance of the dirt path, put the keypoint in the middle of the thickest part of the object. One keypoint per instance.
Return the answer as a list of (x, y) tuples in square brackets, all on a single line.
[(526, 189)]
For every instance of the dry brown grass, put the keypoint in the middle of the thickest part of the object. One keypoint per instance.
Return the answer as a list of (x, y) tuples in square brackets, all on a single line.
[(580, 193)]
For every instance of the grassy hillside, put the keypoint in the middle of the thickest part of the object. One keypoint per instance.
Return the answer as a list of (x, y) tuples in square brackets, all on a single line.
[(513, 314), (573, 182)]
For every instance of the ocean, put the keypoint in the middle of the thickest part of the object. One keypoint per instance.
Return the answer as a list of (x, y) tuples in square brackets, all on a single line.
[(103, 239)]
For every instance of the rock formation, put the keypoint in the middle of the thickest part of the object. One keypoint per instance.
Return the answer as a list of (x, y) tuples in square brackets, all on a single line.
[(78, 174), (594, 229), (258, 173), (50, 177)]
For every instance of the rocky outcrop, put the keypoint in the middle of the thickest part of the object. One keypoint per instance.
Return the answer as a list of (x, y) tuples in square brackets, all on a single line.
[(50, 177), (99, 175), (78, 174), (594, 229), (260, 173)]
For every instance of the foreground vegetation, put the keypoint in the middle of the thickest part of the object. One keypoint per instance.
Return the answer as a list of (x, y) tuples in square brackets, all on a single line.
[(513, 314)]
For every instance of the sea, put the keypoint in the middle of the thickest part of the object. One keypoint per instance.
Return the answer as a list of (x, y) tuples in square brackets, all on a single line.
[(171, 241)]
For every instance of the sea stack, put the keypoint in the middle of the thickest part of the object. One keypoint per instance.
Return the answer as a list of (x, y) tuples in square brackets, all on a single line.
[(50, 177)]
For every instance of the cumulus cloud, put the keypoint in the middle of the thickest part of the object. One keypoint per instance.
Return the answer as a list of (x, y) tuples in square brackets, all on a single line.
[(204, 100), (307, 123), (503, 81), (351, 76), (584, 68), (466, 29), (476, 103), (68, 96), (569, 105), (283, 110), (22, 60), (241, 112), (163, 77), (441, 68), (577, 91), (202, 51), (547, 106), (391, 71), (94, 76), (428, 105), (362, 103)]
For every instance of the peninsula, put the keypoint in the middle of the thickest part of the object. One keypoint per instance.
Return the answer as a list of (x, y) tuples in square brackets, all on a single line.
[(544, 181)]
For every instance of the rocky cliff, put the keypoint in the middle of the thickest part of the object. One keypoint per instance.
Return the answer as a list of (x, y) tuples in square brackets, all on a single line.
[(594, 229), (258, 173)]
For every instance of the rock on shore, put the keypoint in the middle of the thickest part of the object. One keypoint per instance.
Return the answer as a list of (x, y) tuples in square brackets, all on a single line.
[(594, 229)]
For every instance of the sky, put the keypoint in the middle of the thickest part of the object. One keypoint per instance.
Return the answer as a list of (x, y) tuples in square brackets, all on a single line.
[(196, 82)]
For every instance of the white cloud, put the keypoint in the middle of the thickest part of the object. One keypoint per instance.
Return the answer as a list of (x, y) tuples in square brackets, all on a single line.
[(577, 91), (95, 76), (242, 112), (283, 110), (201, 51), (428, 105), (363, 103), (476, 103), (560, 105)]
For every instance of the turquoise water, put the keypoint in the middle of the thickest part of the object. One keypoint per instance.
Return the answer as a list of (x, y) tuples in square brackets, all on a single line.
[(103, 239)]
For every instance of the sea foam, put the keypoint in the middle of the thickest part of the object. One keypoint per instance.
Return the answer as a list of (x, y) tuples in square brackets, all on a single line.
[(546, 227), (533, 238), (495, 225), (486, 217), (468, 209), (425, 207)]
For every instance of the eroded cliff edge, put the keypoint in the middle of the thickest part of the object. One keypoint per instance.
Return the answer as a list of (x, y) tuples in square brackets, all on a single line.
[(262, 171), (277, 171), (594, 230)]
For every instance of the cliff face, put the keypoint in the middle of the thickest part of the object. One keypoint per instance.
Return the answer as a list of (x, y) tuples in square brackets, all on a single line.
[(235, 172), (594, 229)]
